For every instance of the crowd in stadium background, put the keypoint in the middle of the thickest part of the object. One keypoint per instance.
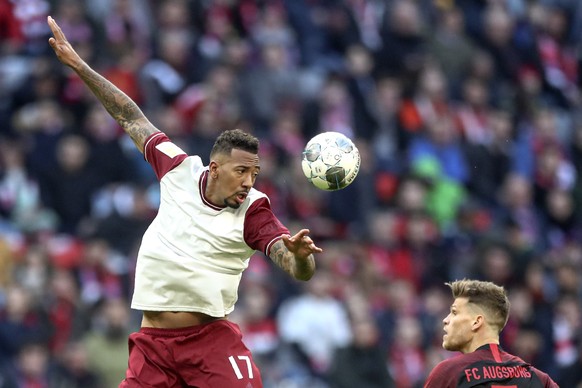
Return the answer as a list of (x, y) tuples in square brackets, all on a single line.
[(467, 115)]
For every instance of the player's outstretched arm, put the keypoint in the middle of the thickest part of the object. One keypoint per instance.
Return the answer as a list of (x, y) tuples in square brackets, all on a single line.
[(294, 254), (122, 108)]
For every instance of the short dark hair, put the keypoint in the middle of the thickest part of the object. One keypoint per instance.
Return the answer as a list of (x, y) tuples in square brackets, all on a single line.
[(487, 295), (235, 138)]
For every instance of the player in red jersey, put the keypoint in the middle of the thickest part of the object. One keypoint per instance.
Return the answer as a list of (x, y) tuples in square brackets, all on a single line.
[(191, 258), (478, 314)]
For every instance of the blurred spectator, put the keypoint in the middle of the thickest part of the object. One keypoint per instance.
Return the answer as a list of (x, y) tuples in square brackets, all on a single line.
[(7, 261), (31, 369), (72, 369), (316, 322), (490, 160), (450, 46), (441, 143), (100, 273), (495, 264), (527, 328), (216, 29), (75, 23), (362, 363), (354, 221), (333, 111), (552, 172), (496, 36), (66, 313), (557, 55), (170, 70), (107, 157), (260, 330), (127, 27), (33, 270), (518, 209), (439, 160), (69, 186), (389, 140), (204, 129), (472, 111), (566, 323), (218, 95), (403, 43), (544, 130), (361, 86), (125, 221), (399, 300), (561, 221), (106, 345), (529, 93), (340, 31), (11, 36), (42, 124), (428, 101), (574, 150), (405, 355), (31, 16), (19, 191), (269, 87), (435, 304), (287, 137), (271, 27), (22, 323)]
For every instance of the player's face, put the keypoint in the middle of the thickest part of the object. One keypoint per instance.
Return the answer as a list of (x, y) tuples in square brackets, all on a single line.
[(236, 176), (457, 326)]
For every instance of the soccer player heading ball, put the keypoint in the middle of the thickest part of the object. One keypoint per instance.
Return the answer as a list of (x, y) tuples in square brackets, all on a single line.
[(192, 256), (478, 314)]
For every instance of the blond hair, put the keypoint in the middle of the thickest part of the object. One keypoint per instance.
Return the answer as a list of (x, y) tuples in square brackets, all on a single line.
[(488, 296)]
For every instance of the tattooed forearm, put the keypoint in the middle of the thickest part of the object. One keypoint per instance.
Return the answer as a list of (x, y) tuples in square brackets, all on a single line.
[(118, 105), (299, 268)]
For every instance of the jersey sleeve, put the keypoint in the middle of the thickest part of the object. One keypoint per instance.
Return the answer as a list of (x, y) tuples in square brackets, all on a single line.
[(441, 377), (544, 378), (162, 154), (261, 227)]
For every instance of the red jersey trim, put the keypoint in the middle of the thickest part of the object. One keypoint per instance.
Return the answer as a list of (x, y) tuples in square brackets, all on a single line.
[(270, 244), (145, 145), (495, 352), (262, 228)]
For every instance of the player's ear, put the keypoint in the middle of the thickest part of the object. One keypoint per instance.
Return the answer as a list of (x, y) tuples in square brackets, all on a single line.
[(213, 169), (478, 321)]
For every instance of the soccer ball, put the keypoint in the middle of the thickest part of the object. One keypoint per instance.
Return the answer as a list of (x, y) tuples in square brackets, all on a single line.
[(330, 161)]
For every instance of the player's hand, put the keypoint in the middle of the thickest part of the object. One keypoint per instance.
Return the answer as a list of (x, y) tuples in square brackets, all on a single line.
[(301, 245), (63, 49)]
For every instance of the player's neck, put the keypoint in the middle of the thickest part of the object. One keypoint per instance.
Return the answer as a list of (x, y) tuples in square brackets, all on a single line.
[(474, 345), (209, 191)]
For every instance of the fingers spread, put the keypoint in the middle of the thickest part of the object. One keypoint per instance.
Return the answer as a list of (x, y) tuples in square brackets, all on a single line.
[(302, 233)]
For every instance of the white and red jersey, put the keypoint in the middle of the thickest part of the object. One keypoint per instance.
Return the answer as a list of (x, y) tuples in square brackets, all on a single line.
[(193, 254)]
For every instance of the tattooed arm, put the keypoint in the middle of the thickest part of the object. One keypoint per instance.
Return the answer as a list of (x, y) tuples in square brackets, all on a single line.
[(118, 104), (294, 254)]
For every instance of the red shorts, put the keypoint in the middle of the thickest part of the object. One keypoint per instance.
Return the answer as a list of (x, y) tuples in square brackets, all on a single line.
[(211, 355)]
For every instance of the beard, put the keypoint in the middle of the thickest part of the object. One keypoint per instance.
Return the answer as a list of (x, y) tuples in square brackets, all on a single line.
[(231, 205), (450, 345)]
